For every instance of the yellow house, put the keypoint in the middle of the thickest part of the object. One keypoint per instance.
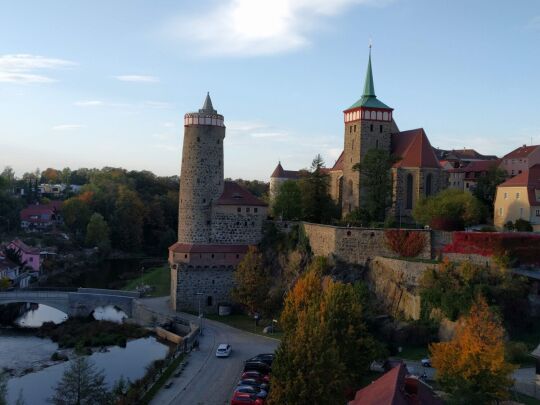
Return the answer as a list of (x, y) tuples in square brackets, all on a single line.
[(519, 197)]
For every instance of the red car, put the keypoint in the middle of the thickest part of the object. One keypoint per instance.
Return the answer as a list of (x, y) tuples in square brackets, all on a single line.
[(256, 376), (240, 398)]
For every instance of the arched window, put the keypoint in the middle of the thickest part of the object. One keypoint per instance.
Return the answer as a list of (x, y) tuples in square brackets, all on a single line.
[(409, 193), (350, 188), (428, 184), (379, 115)]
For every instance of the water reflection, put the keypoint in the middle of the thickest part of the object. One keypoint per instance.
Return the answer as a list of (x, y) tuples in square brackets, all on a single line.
[(129, 362), (38, 314), (109, 313)]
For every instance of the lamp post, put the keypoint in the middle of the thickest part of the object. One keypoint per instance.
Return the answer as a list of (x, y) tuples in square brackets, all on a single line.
[(199, 295)]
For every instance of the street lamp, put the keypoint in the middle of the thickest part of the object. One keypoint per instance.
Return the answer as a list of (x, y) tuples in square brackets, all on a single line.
[(199, 294)]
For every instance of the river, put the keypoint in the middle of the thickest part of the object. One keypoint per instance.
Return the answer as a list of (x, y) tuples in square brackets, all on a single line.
[(20, 351)]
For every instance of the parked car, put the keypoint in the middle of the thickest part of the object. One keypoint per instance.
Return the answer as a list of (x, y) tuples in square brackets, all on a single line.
[(426, 362), (254, 383), (223, 350), (256, 375), (250, 389), (267, 358), (241, 398), (257, 366)]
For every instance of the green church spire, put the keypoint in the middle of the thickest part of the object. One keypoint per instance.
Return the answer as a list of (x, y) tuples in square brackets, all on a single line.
[(369, 87), (369, 99)]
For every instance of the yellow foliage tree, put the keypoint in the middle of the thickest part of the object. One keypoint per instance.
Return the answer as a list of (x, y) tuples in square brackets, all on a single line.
[(472, 367)]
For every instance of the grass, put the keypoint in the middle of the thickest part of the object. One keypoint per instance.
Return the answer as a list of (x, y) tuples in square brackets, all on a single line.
[(413, 352), (157, 277), (246, 323), (524, 399), (162, 380)]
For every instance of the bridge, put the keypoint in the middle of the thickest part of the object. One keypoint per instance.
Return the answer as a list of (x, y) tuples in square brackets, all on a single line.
[(79, 302)]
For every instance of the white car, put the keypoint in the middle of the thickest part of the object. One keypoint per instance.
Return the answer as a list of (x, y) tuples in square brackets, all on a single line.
[(223, 350)]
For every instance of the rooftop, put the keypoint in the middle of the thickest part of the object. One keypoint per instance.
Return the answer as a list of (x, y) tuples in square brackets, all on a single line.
[(234, 194), (521, 152), (414, 149)]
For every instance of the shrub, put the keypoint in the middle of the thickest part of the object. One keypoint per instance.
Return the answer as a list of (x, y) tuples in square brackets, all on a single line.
[(509, 226), (522, 225), (404, 242), (517, 353)]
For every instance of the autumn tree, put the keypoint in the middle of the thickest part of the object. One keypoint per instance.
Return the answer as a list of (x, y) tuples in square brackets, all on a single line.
[(76, 214), (376, 178), (472, 367), (81, 384), (326, 347), (51, 175), (98, 233), (252, 282), (288, 201)]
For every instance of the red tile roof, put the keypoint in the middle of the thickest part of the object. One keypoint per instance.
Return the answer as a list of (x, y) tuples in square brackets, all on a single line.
[(197, 248), (521, 152), (414, 149), (41, 213), (234, 194), (395, 388), (19, 244), (280, 173), (339, 163), (530, 179)]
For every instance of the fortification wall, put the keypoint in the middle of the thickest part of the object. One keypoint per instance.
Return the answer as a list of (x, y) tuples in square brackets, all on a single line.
[(232, 227), (354, 245), (395, 284)]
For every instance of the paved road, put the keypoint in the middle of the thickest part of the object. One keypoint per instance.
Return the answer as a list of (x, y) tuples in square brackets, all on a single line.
[(208, 380)]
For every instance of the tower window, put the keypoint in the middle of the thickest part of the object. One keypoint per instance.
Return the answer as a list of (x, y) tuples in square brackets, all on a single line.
[(255, 210), (350, 129), (376, 144), (218, 141), (380, 129), (212, 255), (355, 128), (204, 200), (371, 127)]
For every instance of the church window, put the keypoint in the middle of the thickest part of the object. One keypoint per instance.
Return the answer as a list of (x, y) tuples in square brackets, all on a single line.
[(428, 184), (371, 127), (409, 193), (385, 116), (380, 129)]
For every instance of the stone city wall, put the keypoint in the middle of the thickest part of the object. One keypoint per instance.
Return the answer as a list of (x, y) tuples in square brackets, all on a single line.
[(354, 245)]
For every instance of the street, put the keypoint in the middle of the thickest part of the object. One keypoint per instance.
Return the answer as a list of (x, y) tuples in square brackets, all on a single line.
[(208, 380)]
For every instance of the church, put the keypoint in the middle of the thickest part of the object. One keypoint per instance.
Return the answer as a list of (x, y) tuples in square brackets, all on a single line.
[(369, 124)]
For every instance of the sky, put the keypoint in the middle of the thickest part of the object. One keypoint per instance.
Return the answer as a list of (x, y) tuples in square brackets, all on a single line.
[(106, 83)]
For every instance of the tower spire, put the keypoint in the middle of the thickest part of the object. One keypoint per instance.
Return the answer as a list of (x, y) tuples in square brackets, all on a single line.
[(207, 106), (369, 87)]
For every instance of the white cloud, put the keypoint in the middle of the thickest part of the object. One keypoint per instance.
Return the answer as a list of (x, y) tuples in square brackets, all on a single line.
[(138, 78), (169, 125), (67, 127), (89, 103), (257, 27), (157, 104), (21, 68)]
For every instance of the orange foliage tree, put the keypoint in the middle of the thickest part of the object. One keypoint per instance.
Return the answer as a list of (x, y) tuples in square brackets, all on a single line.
[(472, 367), (405, 243)]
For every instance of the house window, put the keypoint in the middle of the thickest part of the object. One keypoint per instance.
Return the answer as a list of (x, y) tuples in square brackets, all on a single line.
[(255, 210), (428, 184), (239, 209), (521, 212), (409, 194), (538, 213), (500, 212), (517, 196), (185, 256), (519, 171), (505, 196), (247, 209)]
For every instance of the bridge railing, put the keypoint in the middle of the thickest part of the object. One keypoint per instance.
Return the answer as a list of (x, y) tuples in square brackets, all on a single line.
[(28, 295)]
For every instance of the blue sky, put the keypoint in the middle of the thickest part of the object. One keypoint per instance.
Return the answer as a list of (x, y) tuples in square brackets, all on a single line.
[(95, 83)]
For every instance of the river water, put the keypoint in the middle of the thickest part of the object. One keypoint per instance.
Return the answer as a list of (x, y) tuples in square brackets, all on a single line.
[(20, 351)]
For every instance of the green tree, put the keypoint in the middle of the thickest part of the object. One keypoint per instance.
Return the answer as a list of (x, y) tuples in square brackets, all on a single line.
[(128, 220), (76, 213), (288, 201), (486, 186), (81, 384), (98, 233), (317, 205), (376, 179), (51, 175), (451, 209), (252, 282)]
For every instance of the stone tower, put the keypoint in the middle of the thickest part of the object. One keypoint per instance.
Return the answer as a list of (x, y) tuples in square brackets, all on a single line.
[(368, 125), (201, 178)]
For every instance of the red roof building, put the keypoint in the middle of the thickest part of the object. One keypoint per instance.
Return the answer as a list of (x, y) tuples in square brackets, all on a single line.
[(234, 194), (413, 149), (36, 217), (520, 159), (396, 387)]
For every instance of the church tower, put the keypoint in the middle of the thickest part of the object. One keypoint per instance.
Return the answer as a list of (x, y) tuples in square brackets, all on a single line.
[(201, 178), (368, 125)]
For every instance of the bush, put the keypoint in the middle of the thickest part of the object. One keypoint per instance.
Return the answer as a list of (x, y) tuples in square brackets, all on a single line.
[(522, 225), (517, 353), (404, 242)]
